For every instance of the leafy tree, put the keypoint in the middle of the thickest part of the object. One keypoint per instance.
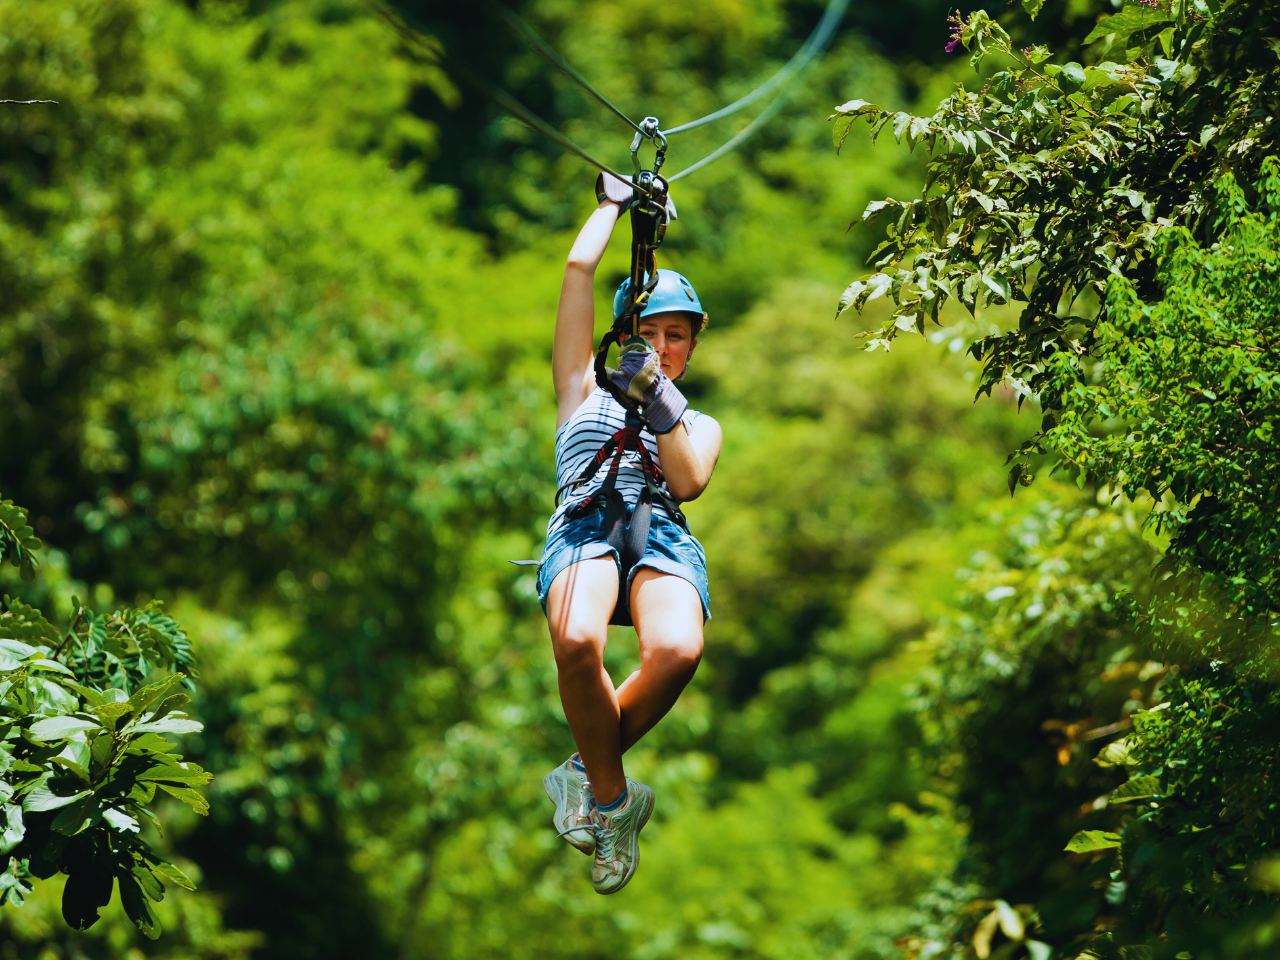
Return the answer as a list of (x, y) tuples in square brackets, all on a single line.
[(1131, 206), (1053, 180), (83, 751)]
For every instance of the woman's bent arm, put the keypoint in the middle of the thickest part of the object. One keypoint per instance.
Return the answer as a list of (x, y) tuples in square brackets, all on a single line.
[(689, 456), (573, 353)]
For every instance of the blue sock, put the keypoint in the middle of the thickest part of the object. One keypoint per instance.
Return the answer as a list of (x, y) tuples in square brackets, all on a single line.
[(610, 807), (576, 762)]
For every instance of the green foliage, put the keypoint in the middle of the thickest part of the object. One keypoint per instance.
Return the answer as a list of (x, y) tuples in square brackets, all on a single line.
[(1192, 379), (82, 752), (1131, 207), (1050, 180), (268, 377), (17, 539)]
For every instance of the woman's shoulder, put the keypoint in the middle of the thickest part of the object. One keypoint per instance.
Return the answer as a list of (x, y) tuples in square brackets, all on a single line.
[(692, 416)]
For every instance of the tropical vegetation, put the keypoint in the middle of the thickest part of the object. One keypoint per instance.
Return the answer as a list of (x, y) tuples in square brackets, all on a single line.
[(277, 305)]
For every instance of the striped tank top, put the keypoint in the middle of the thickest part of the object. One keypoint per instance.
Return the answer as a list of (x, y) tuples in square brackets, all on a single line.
[(590, 427)]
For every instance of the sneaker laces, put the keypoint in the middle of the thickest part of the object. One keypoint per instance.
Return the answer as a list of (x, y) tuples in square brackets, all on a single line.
[(606, 837)]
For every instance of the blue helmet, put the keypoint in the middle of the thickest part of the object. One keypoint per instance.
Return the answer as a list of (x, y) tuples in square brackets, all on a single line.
[(673, 293)]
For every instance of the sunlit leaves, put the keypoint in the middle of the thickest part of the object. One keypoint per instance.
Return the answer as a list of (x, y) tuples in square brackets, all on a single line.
[(1090, 841), (81, 755)]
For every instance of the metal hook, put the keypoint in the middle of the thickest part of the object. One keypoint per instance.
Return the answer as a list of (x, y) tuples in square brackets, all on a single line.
[(649, 129)]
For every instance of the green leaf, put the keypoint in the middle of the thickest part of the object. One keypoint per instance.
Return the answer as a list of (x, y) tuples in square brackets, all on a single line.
[(149, 882), (149, 743), (59, 728), (1134, 18), (168, 705), (137, 905), (187, 795), (850, 294), (14, 827), (42, 798), (1015, 476), (1139, 788), (1086, 841), (877, 286), (998, 286), (72, 766), (109, 713), (1073, 73), (142, 792), (78, 816), (181, 773), (44, 664), (1037, 54), (1032, 7), (846, 115), (169, 872), (88, 890), (176, 723), (17, 540), (147, 695), (121, 821), (16, 649), (24, 622)]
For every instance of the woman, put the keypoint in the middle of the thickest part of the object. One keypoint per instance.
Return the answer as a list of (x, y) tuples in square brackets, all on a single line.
[(598, 809)]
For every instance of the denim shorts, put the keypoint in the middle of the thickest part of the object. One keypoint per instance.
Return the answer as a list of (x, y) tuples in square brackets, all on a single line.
[(671, 549)]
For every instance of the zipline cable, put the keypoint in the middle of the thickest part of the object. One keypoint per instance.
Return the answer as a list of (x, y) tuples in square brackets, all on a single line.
[(817, 42), (768, 114), (812, 47), (558, 61), (499, 96)]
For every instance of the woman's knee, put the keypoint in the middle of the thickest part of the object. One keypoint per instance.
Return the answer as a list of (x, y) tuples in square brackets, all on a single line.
[(579, 647), (678, 650)]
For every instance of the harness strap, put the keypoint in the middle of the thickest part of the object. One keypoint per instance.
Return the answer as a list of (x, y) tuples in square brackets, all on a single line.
[(626, 529)]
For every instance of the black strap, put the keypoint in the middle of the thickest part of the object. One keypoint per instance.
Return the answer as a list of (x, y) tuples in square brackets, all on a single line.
[(626, 529), (648, 227)]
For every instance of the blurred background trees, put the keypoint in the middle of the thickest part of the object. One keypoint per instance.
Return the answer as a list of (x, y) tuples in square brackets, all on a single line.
[(277, 309)]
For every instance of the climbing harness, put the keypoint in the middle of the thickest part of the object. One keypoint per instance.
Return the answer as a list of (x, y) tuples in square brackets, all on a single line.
[(627, 528)]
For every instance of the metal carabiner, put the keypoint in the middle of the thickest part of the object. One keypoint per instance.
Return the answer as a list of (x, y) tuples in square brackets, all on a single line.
[(648, 131)]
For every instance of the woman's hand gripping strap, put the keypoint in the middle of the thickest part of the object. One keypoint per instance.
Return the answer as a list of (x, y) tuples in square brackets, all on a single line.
[(640, 377), (617, 189)]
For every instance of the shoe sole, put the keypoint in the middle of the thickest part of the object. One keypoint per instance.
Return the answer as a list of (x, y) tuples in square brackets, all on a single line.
[(551, 783), (636, 868)]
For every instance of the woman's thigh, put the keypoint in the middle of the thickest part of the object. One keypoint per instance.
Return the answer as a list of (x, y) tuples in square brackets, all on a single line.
[(667, 611), (580, 601)]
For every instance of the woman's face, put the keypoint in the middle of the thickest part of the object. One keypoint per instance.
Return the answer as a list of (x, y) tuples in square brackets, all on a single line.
[(671, 336)]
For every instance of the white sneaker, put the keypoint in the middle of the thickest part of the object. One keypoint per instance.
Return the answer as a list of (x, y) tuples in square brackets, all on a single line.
[(618, 839), (569, 790)]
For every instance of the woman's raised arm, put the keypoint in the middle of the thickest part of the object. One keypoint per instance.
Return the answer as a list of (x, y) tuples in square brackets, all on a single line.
[(573, 352)]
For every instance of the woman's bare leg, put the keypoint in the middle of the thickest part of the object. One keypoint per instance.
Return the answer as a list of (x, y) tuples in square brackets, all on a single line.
[(667, 612), (579, 604)]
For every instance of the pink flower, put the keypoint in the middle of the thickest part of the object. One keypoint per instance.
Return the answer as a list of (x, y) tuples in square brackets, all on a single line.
[(954, 43)]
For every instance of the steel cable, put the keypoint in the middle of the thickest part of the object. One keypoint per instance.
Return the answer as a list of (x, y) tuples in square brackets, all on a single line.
[(498, 95), (559, 62), (817, 42), (812, 47), (766, 115)]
